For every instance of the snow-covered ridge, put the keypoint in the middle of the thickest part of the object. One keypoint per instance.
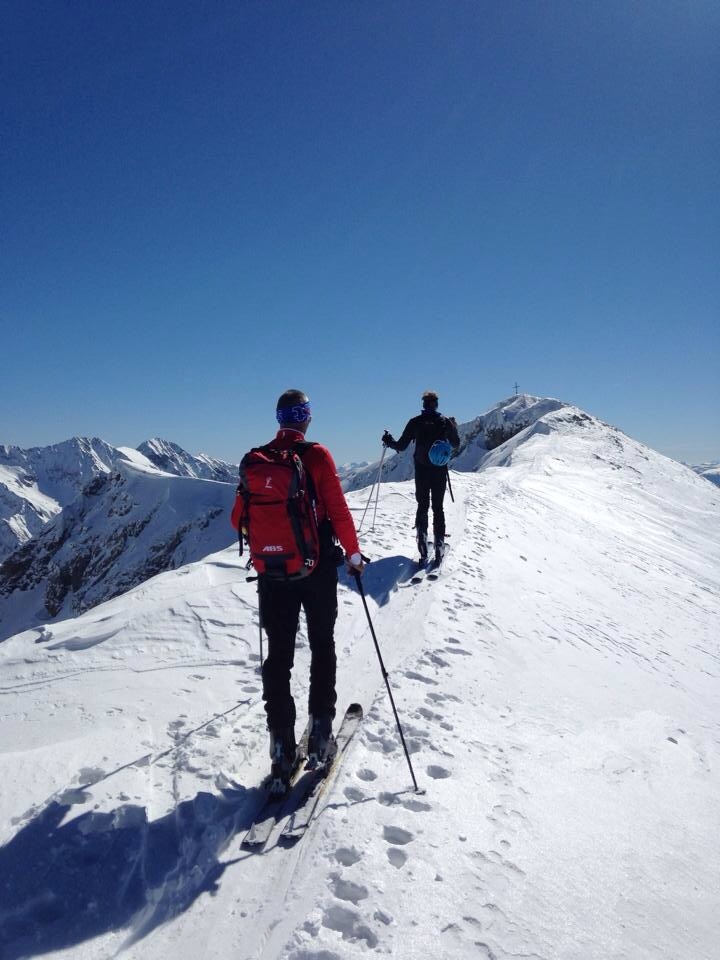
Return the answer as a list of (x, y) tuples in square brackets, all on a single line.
[(345, 469), (35, 484), (171, 458)]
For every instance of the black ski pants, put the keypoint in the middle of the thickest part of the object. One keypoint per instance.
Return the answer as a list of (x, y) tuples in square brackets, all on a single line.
[(430, 482), (280, 605)]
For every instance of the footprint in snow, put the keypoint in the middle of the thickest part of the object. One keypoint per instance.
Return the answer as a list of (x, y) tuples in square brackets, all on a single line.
[(367, 774), (353, 794), (349, 891), (347, 856), (412, 675), (438, 773), (440, 697), (437, 660), (397, 836), (429, 714), (398, 858), (304, 954), (380, 743), (348, 924)]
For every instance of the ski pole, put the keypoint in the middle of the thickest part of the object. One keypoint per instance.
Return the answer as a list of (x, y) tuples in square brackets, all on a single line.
[(447, 474), (387, 682), (372, 489), (260, 625), (377, 492)]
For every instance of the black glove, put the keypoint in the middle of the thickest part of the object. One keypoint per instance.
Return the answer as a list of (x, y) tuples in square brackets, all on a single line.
[(388, 439)]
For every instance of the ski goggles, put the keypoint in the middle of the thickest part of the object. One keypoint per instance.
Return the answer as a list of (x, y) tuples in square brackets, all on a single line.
[(300, 413)]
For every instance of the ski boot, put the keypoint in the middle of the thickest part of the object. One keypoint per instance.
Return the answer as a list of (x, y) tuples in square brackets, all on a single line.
[(321, 742), (283, 756), (422, 543), (439, 550)]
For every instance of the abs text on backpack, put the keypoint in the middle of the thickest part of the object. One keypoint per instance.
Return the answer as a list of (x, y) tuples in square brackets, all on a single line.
[(275, 511)]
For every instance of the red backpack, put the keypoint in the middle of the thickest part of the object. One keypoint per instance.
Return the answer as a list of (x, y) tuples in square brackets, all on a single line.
[(275, 511)]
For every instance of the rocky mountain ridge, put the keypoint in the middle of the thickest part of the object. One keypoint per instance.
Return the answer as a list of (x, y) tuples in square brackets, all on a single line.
[(127, 525), (37, 483)]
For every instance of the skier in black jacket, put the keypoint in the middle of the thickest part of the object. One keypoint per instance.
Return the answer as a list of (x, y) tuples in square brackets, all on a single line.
[(430, 480)]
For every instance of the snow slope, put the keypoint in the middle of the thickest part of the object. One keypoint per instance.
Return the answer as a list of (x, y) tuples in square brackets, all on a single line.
[(558, 687)]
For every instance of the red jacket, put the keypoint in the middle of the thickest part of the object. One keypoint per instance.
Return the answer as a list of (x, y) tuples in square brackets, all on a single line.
[(331, 502)]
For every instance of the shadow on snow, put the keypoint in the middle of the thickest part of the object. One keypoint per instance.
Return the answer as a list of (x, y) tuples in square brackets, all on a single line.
[(382, 576), (65, 883)]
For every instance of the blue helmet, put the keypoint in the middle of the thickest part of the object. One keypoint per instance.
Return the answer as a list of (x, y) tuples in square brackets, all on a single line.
[(439, 453)]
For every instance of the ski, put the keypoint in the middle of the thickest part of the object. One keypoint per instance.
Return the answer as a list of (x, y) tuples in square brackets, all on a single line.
[(312, 789), (274, 807), (429, 570), (419, 575), (434, 568)]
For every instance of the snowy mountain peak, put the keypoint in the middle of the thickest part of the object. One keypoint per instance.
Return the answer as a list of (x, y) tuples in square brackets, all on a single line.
[(172, 458), (35, 484)]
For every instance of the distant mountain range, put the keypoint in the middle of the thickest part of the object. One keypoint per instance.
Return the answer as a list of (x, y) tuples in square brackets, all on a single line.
[(84, 522), (37, 483), (711, 471)]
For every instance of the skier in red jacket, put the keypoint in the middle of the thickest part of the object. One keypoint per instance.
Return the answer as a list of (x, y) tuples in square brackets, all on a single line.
[(282, 598)]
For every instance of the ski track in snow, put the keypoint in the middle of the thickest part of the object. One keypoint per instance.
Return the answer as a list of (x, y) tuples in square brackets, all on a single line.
[(558, 691)]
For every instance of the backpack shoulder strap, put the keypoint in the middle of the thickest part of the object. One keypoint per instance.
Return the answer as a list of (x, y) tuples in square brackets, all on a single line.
[(301, 447)]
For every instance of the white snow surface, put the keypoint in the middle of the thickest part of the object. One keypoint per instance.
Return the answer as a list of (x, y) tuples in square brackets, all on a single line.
[(558, 688)]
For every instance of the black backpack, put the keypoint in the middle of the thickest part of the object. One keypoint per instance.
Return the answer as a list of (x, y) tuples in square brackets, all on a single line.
[(428, 430)]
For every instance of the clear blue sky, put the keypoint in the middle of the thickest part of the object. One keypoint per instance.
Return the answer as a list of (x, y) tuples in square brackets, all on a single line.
[(205, 203)]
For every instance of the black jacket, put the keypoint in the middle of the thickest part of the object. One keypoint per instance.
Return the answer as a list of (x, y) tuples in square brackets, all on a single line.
[(425, 429)]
